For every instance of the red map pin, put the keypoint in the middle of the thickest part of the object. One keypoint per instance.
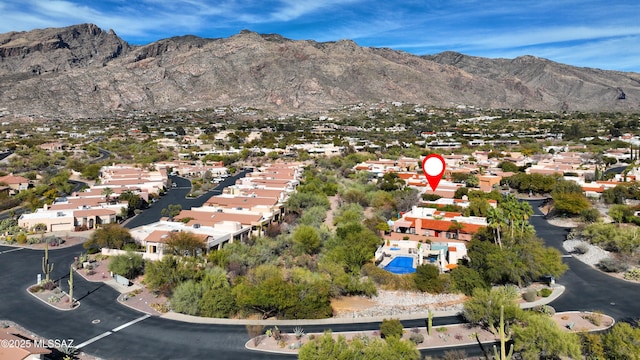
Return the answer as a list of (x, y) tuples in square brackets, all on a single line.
[(433, 167)]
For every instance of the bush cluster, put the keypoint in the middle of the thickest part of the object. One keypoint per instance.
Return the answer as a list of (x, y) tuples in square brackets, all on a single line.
[(416, 338), (633, 274), (545, 292), (612, 265), (530, 295), (390, 328)]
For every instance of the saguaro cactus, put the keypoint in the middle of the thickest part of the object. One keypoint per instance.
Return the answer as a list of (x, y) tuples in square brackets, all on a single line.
[(46, 267), (503, 340), (70, 281), (429, 322)]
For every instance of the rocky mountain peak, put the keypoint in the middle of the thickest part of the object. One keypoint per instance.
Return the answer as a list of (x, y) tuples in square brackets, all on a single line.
[(57, 49), (83, 71)]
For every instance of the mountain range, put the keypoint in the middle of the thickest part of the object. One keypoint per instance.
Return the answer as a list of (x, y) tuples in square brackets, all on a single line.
[(83, 71)]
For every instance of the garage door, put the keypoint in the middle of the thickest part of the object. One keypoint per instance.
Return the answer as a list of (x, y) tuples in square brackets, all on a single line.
[(60, 227)]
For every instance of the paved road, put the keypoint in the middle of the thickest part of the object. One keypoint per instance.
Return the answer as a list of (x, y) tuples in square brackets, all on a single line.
[(178, 195), (586, 288)]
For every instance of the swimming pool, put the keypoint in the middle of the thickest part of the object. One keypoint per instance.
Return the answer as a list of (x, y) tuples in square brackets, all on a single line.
[(401, 265)]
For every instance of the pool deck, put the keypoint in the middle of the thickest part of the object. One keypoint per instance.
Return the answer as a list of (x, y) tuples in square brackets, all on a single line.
[(393, 253)]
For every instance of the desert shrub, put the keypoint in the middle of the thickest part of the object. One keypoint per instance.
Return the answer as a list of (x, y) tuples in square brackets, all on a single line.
[(595, 318), (455, 355), (416, 338), (35, 289), (633, 274), (131, 247), (545, 309), (48, 285), (391, 327), (128, 265), (90, 272), (21, 238), (163, 308), (530, 295), (545, 292), (427, 279), (590, 215), (581, 249), (612, 265), (186, 298), (30, 241)]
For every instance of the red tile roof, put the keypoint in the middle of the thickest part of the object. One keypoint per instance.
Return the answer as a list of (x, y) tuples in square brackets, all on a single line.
[(443, 225)]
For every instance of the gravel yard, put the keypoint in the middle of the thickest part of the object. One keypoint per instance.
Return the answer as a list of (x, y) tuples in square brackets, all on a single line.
[(591, 257), (400, 302)]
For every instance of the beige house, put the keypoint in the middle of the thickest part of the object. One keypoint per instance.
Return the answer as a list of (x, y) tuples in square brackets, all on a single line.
[(68, 220), (155, 236), (15, 183)]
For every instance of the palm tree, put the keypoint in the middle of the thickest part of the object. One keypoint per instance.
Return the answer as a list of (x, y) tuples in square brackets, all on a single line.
[(107, 192), (456, 226), (511, 208), (525, 211), (496, 220)]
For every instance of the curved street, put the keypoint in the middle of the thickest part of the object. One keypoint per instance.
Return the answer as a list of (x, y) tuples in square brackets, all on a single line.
[(110, 330)]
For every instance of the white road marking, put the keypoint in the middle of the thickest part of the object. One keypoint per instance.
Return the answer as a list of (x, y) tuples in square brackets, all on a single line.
[(131, 323), (8, 251), (107, 333), (93, 339), (567, 256)]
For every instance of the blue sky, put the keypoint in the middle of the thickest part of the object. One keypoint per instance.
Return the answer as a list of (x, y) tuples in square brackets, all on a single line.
[(593, 33)]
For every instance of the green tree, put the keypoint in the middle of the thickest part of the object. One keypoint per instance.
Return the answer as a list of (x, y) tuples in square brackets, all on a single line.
[(484, 307), (313, 216), (538, 336), (390, 181), (107, 192), (508, 166), (472, 181), (217, 299), (111, 236), (172, 210), (622, 342), (306, 239), (185, 243), (621, 213), (348, 213), (91, 172), (186, 298), (427, 279), (455, 227), (128, 265), (592, 346), (390, 328), (164, 275), (570, 203), (265, 290), (496, 220), (299, 201), (466, 280)]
